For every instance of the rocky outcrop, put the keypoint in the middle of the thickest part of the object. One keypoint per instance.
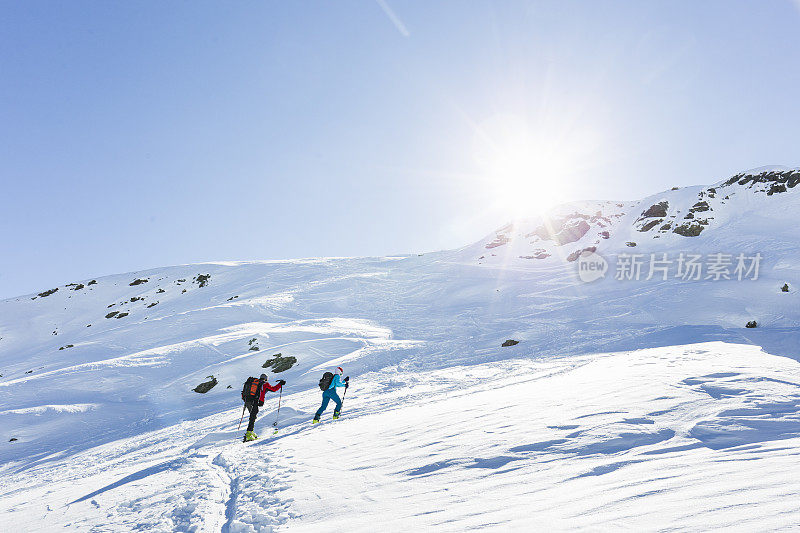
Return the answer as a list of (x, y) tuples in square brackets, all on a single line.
[(769, 181), (206, 385), (577, 253), (499, 240), (280, 363), (650, 225), (658, 210), (692, 229)]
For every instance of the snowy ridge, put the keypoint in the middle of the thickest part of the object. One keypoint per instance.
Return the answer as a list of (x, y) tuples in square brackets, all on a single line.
[(622, 400), (668, 220)]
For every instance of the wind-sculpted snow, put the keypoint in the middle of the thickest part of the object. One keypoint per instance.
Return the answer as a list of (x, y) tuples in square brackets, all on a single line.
[(692, 437), (98, 379)]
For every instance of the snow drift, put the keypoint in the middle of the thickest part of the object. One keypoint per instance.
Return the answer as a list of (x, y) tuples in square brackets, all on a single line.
[(444, 428)]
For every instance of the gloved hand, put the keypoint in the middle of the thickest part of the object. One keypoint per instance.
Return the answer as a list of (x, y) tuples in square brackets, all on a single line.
[(281, 382), (347, 379)]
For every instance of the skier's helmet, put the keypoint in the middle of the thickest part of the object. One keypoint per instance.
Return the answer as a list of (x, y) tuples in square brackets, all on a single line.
[(339, 370), (263, 377)]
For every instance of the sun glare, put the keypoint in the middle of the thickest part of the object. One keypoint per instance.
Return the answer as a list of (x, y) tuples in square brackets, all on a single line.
[(527, 170)]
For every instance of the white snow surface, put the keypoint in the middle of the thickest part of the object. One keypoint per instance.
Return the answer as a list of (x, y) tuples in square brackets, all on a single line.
[(690, 437), (639, 405)]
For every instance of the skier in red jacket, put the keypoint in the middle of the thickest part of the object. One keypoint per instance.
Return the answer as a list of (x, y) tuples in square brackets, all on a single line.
[(253, 396)]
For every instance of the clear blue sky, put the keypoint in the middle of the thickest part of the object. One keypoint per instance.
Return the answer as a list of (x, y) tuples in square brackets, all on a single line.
[(143, 134)]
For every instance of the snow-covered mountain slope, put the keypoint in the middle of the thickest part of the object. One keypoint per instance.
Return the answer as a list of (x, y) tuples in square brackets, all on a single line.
[(99, 378), (692, 437), (748, 208)]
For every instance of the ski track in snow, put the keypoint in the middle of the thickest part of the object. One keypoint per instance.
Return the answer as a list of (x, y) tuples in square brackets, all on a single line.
[(443, 430), (573, 443)]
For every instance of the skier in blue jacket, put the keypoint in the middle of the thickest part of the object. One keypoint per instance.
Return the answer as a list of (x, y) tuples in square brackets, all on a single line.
[(330, 394)]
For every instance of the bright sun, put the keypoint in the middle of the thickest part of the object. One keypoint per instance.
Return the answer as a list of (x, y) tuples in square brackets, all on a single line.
[(527, 170)]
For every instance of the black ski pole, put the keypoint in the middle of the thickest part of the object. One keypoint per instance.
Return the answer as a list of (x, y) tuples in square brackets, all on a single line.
[(280, 395), (343, 395), (240, 420)]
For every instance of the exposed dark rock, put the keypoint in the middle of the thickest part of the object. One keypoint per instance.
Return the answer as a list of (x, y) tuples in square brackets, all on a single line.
[(572, 232), (206, 385), (650, 225), (605, 234), (658, 210), (254, 348), (577, 253), (232, 298), (689, 216), (29, 372), (184, 290), (699, 207), (152, 305), (229, 387), (751, 324), (12, 439), (499, 240), (509, 342), (138, 281), (112, 314), (136, 299), (48, 293), (776, 188), (180, 281), (202, 279), (665, 227), (563, 231), (675, 188), (93, 282), (630, 244), (122, 315), (160, 291), (67, 346), (790, 178), (785, 287), (279, 363), (109, 306), (689, 229)]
